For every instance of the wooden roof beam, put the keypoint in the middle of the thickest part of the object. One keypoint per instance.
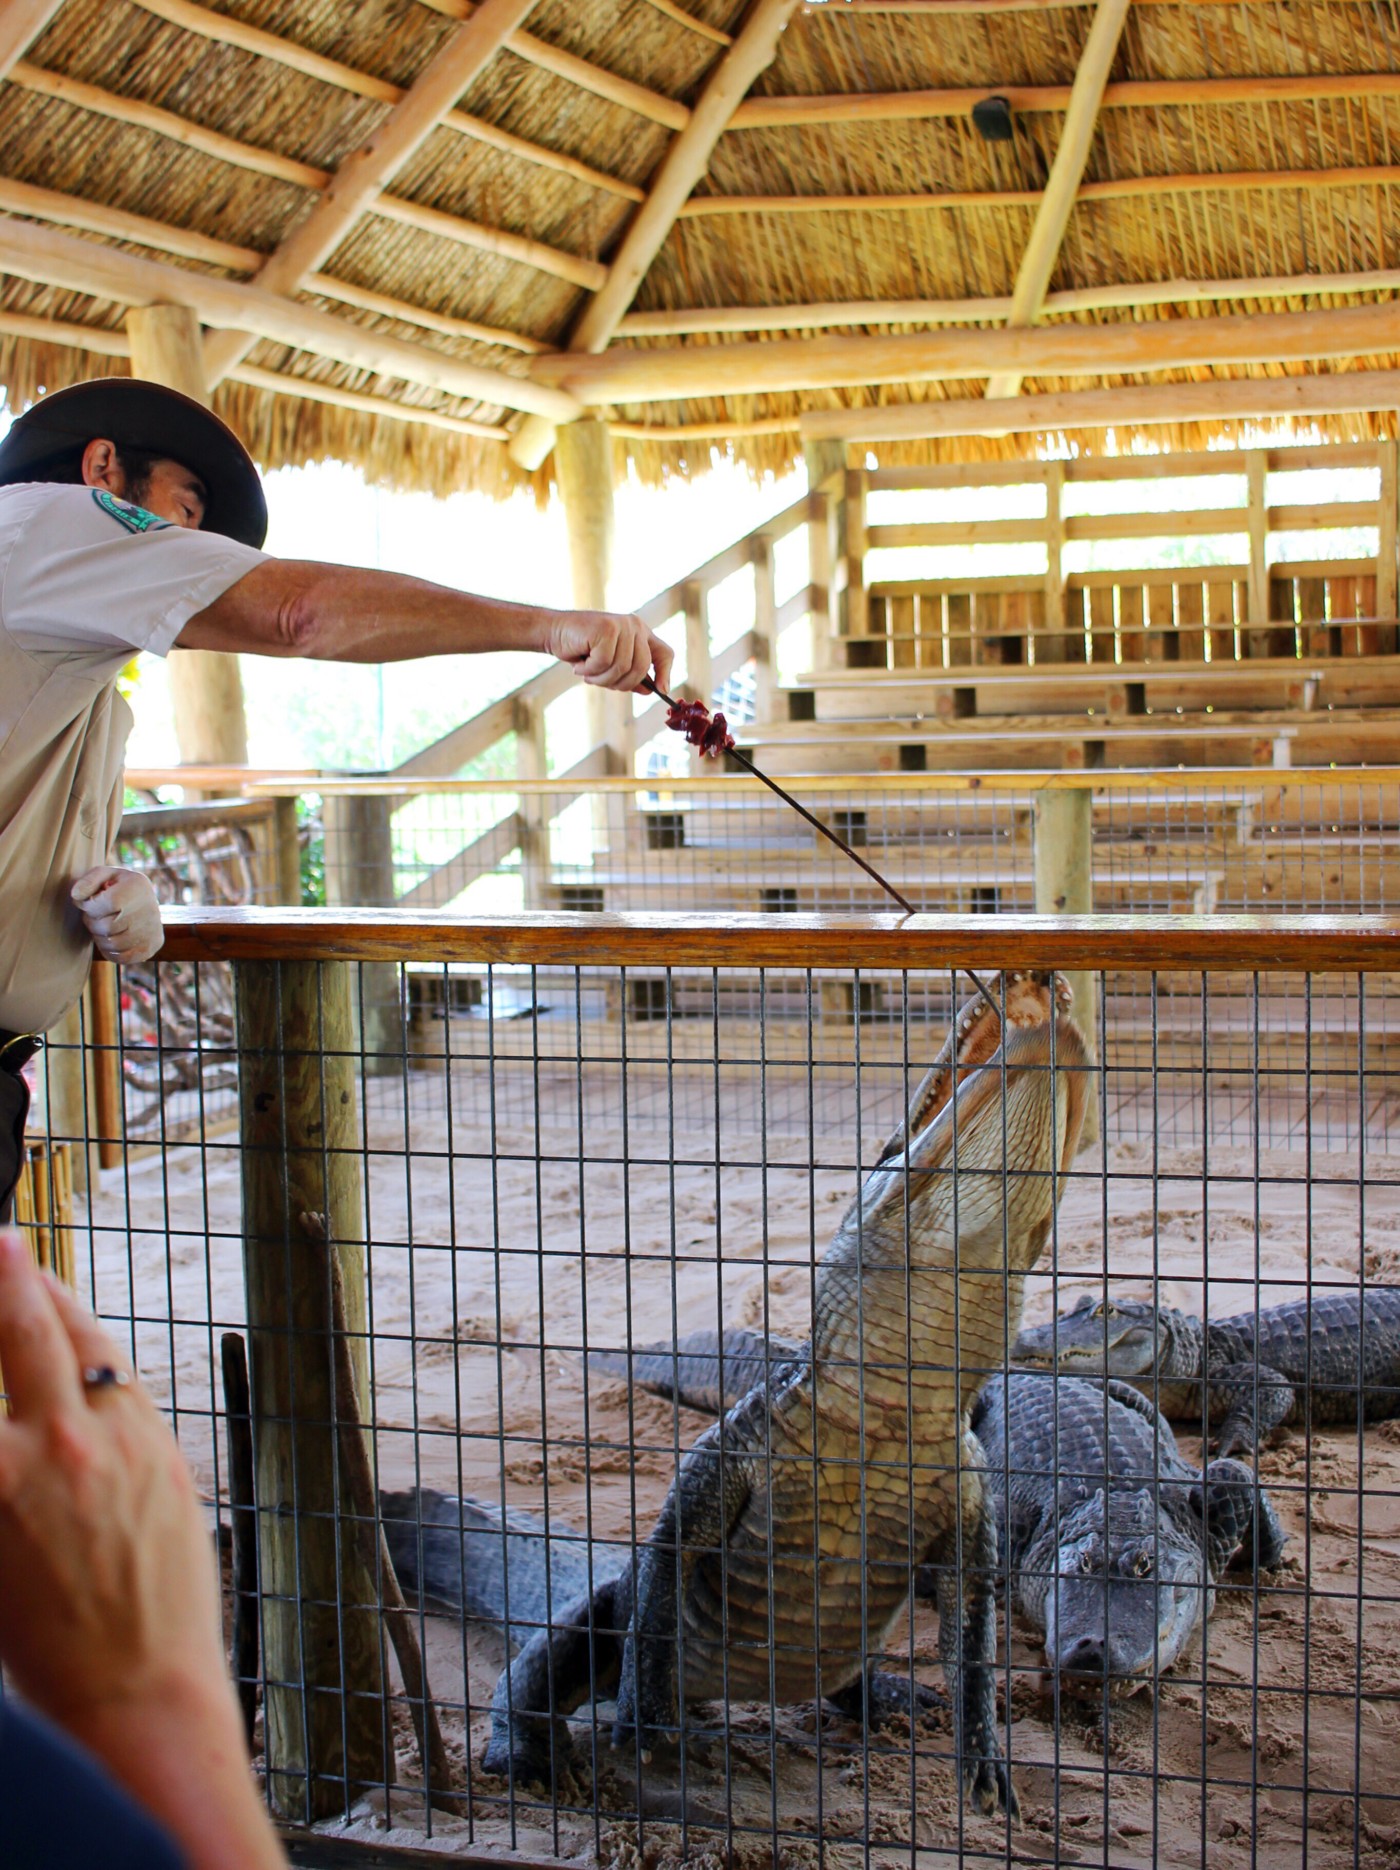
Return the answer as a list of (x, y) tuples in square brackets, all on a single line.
[(836, 313), (685, 162), (1066, 173), (103, 343), (1223, 400), (21, 22), (775, 113), (224, 29), (360, 180), (788, 364), (46, 204), (51, 258), (1111, 188), (568, 266)]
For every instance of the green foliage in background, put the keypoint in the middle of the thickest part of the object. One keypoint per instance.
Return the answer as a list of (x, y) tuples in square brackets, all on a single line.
[(312, 845)]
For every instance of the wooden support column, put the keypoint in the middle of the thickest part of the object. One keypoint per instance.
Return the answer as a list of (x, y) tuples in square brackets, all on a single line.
[(583, 460), (1064, 886), (325, 1716), (360, 875), (1257, 471), (765, 629), (104, 1037), (206, 690)]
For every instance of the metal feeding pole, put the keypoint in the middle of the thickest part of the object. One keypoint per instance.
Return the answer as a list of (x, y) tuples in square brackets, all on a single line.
[(695, 713), (787, 798)]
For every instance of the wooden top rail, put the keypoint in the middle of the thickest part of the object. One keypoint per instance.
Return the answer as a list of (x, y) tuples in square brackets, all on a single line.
[(1215, 944), (728, 785), (152, 820)]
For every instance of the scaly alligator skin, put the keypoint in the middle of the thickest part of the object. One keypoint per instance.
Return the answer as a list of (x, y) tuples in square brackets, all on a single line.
[(1112, 1543), (1136, 1560), (472, 1560), (1289, 1363), (785, 1549)]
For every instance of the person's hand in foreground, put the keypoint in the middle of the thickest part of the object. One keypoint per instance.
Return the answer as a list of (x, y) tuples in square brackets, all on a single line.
[(109, 1596), (121, 911)]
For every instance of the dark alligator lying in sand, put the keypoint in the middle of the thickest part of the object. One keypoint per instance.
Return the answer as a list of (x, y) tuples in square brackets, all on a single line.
[(1333, 1359), (788, 1541), (1110, 1542)]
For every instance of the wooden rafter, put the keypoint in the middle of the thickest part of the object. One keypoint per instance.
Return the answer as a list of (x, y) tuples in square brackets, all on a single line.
[(225, 29), (52, 258), (835, 313), (567, 266), (21, 22), (1224, 400), (1111, 188), (1066, 173), (102, 343), (790, 364), (47, 204), (686, 161), (776, 113)]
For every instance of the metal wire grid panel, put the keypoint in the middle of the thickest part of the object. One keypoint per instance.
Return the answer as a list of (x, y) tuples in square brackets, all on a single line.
[(514, 1216), (1259, 841)]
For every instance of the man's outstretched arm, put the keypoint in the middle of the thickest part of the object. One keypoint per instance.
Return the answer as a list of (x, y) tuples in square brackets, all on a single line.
[(337, 613)]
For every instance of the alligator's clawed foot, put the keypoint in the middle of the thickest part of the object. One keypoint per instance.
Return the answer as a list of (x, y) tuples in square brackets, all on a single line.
[(530, 1753), (988, 1789), (879, 1695)]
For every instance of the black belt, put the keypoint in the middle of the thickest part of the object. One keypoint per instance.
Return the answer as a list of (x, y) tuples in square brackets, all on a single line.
[(17, 1048)]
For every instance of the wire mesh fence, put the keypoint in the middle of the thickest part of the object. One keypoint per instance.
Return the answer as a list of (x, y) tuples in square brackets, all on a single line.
[(651, 1639)]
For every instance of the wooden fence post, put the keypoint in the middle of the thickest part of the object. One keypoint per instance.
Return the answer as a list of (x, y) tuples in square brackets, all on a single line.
[(1387, 570), (765, 629), (821, 561), (104, 1038), (325, 1717), (1064, 886), (1257, 470), (699, 674), (857, 605), (287, 842), (532, 762), (360, 875), (1056, 646)]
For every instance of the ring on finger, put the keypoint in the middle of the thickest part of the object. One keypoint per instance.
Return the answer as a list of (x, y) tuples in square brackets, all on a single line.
[(105, 1377)]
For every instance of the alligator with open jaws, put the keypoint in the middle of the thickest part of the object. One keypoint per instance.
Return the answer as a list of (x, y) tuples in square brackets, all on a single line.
[(785, 1550), (1110, 1542), (1334, 1358)]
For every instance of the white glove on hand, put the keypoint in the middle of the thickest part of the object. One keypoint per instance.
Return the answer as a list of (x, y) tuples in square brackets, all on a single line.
[(121, 912)]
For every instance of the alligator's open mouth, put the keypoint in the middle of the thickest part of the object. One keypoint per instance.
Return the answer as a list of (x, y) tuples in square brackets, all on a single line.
[(1029, 997)]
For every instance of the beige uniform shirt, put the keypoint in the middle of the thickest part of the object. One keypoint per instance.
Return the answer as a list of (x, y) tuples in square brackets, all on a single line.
[(86, 581)]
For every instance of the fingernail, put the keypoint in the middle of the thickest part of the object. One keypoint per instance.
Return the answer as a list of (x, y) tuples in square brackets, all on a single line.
[(12, 1248)]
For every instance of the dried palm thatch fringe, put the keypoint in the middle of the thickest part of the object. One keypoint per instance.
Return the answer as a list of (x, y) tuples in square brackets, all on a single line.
[(312, 124)]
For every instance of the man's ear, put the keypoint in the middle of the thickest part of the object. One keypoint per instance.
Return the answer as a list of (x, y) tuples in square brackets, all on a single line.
[(102, 468)]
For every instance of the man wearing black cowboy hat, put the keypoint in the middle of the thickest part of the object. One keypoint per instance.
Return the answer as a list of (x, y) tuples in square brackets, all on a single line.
[(131, 519)]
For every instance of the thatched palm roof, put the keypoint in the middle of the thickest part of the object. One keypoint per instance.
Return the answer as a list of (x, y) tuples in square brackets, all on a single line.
[(1243, 161)]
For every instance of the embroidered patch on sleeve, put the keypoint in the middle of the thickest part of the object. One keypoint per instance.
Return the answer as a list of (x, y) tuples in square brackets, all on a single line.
[(134, 518)]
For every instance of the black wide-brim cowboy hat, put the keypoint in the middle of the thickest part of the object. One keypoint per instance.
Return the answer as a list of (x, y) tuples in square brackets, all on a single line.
[(136, 414)]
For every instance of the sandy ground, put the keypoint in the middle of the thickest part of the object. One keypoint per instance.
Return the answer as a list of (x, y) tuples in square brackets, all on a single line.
[(1290, 1710)]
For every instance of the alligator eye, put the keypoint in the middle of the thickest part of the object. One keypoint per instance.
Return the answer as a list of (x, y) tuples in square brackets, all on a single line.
[(1101, 1309), (1142, 1565)]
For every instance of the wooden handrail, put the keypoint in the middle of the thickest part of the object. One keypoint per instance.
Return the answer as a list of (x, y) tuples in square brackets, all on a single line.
[(721, 785), (146, 820), (1212, 944)]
